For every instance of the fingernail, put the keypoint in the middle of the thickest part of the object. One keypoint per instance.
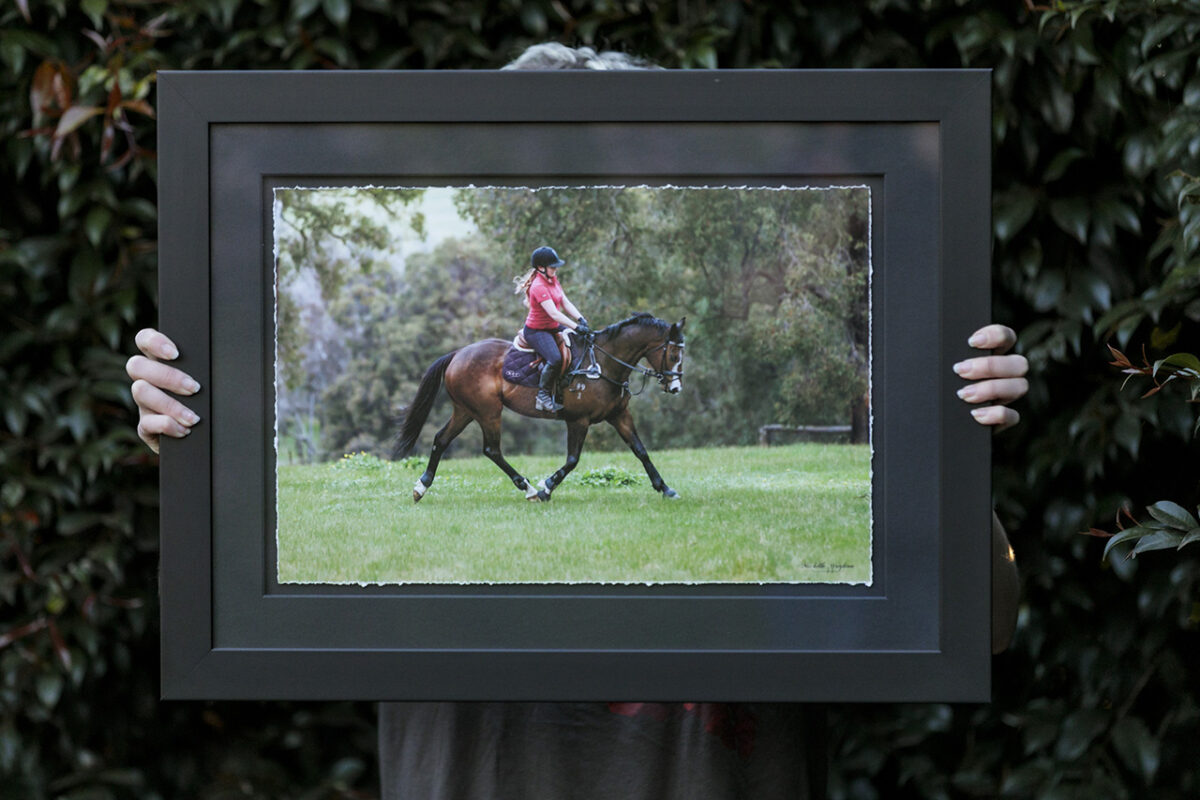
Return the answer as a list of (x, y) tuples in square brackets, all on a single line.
[(170, 352), (961, 368), (192, 387), (977, 340), (966, 393), (190, 417), (978, 413)]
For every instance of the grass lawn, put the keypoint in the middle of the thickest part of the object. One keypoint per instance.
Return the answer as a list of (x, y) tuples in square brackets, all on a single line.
[(799, 513)]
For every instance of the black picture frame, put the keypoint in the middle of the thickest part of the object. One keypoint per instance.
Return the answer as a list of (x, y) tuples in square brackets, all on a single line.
[(919, 632)]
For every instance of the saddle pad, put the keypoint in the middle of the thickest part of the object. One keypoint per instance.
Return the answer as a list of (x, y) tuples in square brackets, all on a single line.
[(518, 368)]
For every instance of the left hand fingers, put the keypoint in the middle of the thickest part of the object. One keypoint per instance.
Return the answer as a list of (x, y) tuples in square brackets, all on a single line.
[(999, 338), (986, 367), (998, 417), (1004, 390)]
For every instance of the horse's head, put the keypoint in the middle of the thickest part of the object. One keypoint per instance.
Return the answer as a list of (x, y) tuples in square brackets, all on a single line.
[(667, 359)]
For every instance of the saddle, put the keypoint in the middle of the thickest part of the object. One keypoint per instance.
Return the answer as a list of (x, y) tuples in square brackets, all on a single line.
[(523, 366)]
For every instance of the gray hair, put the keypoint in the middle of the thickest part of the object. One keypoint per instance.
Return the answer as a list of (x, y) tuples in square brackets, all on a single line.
[(553, 55)]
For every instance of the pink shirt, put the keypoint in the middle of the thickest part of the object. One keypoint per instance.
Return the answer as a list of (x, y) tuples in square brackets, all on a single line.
[(540, 291)]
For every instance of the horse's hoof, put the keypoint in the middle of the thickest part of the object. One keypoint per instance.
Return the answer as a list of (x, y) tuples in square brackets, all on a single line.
[(419, 491), (670, 494), (543, 496), (531, 493)]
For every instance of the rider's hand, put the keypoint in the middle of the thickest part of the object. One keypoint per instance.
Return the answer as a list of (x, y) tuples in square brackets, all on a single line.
[(159, 413), (583, 322), (996, 379), (582, 327)]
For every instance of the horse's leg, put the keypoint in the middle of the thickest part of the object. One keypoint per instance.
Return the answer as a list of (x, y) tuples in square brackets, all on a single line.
[(576, 433), (490, 426), (459, 420), (623, 422)]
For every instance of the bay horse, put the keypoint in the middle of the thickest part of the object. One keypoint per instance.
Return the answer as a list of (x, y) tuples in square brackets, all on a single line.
[(473, 380)]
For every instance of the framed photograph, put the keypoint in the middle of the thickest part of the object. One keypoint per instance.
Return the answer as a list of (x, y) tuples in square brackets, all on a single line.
[(576, 385)]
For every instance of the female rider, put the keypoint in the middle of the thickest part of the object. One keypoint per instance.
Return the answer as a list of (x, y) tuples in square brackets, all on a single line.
[(547, 304)]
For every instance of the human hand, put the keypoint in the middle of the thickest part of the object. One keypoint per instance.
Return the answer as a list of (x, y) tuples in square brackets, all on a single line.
[(996, 379), (159, 413)]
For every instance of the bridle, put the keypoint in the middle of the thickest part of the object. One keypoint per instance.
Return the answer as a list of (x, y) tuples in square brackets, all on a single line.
[(663, 376)]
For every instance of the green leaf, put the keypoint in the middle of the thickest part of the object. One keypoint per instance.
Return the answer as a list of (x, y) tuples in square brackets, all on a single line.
[(96, 224), (1192, 536), (1012, 212), (1060, 163), (1159, 31), (1173, 514), (95, 10), (1185, 361), (1137, 746), (1125, 536), (1079, 730), (1162, 540), (49, 688), (304, 8), (1071, 215), (338, 11)]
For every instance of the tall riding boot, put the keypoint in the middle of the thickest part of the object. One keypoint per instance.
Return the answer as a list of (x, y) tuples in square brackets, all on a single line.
[(545, 395)]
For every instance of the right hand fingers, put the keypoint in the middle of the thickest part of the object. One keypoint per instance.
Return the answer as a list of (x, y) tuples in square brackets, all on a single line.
[(153, 401)]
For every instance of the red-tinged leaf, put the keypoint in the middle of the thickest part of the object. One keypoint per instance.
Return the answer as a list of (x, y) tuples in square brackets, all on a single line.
[(60, 647), (26, 567), (114, 98), (41, 90), (23, 7), (32, 132), (13, 635), (1128, 515), (1119, 358), (73, 117), (1153, 391), (1099, 534), (140, 106), (125, 158)]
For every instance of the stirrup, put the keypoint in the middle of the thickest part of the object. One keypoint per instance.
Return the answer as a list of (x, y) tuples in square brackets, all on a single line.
[(545, 402)]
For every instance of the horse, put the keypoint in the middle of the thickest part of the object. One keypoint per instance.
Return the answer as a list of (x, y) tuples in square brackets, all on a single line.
[(599, 393)]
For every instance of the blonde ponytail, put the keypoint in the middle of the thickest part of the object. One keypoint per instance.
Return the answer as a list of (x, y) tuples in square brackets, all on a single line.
[(523, 282)]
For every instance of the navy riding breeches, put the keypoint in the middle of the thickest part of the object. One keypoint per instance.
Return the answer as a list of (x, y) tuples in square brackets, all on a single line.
[(543, 342)]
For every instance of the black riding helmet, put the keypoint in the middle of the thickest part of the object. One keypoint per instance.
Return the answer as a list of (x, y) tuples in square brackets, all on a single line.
[(544, 258)]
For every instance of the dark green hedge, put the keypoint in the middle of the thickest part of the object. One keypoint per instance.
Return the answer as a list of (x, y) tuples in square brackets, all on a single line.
[(1097, 139)]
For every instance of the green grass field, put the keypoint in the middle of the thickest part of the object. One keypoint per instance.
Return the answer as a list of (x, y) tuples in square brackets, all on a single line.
[(799, 513)]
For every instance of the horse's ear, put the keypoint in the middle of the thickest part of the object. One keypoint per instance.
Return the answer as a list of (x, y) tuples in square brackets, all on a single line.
[(681, 323)]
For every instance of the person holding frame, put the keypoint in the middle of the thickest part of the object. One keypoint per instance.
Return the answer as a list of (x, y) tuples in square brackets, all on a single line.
[(601, 750)]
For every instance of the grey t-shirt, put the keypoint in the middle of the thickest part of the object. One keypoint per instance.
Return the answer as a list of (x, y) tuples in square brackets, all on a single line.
[(600, 751)]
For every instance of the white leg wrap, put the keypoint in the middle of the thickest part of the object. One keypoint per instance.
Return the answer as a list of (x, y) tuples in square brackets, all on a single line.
[(542, 486), (530, 491), (419, 489)]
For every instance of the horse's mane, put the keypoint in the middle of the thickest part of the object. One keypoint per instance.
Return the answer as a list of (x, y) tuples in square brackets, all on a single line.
[(640, 319)]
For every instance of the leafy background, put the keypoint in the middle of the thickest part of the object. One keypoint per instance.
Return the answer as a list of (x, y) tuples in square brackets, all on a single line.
[(1096, 133)]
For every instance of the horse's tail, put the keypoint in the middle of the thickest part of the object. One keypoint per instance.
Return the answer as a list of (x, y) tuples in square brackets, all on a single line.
[(416, 414)]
